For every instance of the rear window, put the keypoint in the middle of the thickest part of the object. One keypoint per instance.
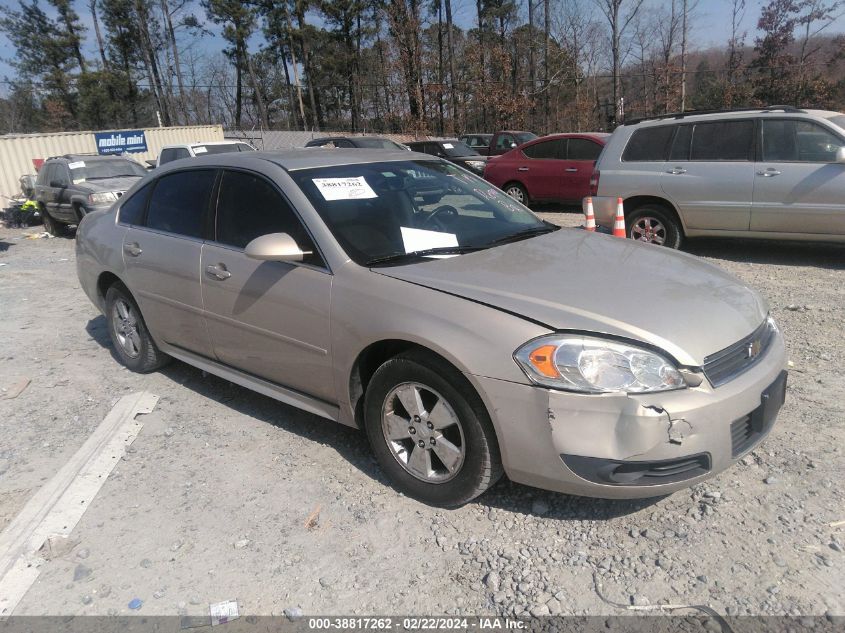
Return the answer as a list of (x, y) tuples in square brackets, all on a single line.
[(723, 140), (179, 203), (649, 144)]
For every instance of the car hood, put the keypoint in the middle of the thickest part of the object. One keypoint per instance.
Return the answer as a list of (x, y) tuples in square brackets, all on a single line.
[(110, 184), (470, 157), (575, 280)]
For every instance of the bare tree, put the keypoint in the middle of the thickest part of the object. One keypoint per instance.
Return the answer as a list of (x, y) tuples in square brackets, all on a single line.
[(618, 23)]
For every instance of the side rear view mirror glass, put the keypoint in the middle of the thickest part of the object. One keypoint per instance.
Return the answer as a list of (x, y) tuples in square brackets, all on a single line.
[(56, 184), (275, 247), (840, 155)]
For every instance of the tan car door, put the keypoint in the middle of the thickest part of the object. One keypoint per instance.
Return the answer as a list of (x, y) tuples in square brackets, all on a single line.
[(269, 319), (162, 259), (798, 185)]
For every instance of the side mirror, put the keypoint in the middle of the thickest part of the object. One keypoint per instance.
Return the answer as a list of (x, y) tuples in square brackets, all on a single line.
[(275, 247), (56, 184), (840, 155), (513, 145)]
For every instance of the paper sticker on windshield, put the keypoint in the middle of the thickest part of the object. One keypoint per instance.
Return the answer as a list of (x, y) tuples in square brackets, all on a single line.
[(78, 181), (448, 146), (200, 150), (77, 165), (420, 240), (344, 188)]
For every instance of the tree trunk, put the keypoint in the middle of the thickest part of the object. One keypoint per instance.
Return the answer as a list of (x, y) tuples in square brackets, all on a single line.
[(256, 87), (92, 6), (684, 57), (313, 98), (440, 66), (479, 9), (451, 54), (546, 87), (531, 69), (148, 52), (177, 67)]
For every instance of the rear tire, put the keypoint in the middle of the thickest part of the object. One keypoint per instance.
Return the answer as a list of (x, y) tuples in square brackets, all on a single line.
[(654, 224), (459, 455), (53, 227), (130, 337)]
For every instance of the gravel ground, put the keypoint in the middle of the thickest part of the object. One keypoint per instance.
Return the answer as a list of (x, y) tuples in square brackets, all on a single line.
[(226, 494)]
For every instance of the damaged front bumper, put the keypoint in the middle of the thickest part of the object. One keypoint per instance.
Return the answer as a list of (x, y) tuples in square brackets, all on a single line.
[(629, 446)]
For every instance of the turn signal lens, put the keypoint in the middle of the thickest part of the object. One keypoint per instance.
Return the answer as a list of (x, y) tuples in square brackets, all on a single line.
[(543, 360)]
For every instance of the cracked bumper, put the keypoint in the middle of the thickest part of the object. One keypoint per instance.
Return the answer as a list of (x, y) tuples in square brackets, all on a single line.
[(537, 427)]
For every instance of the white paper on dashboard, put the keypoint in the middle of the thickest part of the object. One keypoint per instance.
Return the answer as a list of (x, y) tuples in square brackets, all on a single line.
[(76, 165), (448, 146), (344, 188), (200, 150), (420, 240)]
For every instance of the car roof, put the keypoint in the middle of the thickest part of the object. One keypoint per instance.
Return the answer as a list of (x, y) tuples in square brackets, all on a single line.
[(305, 158), (601, 136), (692, 115), (72, 157)]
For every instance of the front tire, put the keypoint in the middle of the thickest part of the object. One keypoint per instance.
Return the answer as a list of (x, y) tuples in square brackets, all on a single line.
[(654, 224), (430, 431), (132, 342), (517, 192), (52, 226)]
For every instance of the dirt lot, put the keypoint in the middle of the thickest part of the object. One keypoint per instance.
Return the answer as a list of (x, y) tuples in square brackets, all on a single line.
[(213, 500)]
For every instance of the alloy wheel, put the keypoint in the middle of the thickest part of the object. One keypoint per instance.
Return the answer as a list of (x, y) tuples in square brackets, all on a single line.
[(125, 324), (516, 193), (648, 229), (423, 432)]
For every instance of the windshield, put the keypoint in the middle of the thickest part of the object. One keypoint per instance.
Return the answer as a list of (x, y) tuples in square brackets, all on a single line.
[(524, 137), (377, 143), (458, 148), (223, 148), (82, 170), (376, 210)]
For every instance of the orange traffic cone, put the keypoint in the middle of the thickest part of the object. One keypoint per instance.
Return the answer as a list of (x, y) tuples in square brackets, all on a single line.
[(619, 222), (588, 213)]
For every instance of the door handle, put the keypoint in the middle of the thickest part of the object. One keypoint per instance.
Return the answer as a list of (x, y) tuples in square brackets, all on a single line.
[(522, 169), (769, 173), (218, 271), (571, 169), (132, 248), (676, 170)]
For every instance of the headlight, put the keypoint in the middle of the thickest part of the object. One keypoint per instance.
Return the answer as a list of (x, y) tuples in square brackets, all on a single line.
[(594, 365), (103, 197), (476, 164)]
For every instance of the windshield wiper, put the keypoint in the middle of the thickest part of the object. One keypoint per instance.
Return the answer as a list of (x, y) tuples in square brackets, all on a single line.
[(111, 176), (524, 235), (442, 250)]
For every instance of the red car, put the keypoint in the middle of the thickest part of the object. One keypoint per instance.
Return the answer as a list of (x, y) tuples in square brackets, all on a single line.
[(553, 168)]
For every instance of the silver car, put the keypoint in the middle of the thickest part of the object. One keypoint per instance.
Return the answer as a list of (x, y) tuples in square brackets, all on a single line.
[(401, 294), (776, 173)]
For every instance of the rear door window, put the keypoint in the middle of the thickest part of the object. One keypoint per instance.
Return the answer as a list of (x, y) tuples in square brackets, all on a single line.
[(723, 140), (582, 149), (649, 144), (237, 224), (132, 209), (555, 148), (179, 202)]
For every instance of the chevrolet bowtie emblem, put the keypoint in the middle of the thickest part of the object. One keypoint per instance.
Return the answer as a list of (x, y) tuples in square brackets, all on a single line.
[(753, 349)]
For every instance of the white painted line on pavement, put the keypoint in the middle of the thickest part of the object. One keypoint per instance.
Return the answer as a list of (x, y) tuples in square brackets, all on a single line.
[(57, 507)]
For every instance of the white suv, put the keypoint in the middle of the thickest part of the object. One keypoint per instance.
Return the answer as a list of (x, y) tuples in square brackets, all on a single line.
[(170, 153), (776, 173)]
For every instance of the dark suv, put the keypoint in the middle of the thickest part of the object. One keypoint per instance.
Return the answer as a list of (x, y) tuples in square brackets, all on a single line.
[(72, 185)]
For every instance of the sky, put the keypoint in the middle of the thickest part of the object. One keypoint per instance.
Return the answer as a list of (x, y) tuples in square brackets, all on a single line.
[(709, 26)]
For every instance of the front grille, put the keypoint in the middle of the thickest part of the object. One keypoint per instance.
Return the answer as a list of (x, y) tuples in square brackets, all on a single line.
[(629, 473), (739, 357)]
